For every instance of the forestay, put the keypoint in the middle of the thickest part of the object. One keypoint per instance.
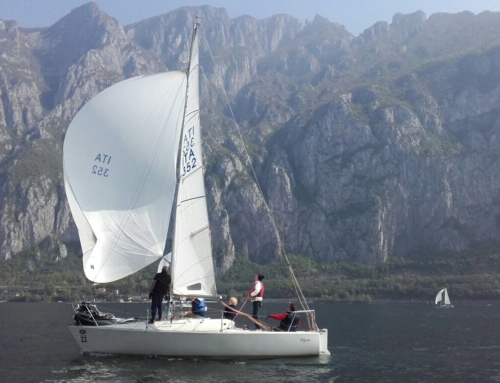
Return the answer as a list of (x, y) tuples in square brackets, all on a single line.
[(192, 265), (120, 155)]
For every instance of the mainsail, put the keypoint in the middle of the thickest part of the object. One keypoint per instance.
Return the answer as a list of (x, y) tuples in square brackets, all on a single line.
[(120, 155), (192, 265)]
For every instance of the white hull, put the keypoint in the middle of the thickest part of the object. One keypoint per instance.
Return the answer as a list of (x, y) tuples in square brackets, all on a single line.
[(197, 338)]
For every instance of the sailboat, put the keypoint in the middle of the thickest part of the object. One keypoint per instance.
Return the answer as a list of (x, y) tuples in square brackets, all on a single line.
[(130, 154), (442, 299)]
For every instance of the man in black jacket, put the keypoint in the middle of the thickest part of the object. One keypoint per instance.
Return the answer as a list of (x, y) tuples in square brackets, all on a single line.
[(160, 288)]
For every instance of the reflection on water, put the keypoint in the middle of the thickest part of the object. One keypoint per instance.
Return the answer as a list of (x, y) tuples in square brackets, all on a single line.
[(368, 342), (156, 369)]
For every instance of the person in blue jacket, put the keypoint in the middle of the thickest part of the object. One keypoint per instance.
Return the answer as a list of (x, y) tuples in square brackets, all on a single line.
[(198, 307)]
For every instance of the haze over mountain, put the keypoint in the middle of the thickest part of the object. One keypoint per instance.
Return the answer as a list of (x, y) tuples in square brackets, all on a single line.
[(366, 148)]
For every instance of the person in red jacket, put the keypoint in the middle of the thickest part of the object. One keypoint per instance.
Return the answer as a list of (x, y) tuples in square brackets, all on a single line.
[(288, 320), (256, 295)]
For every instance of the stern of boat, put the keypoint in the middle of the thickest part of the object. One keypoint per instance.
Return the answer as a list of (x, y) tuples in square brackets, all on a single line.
[(323, 342)]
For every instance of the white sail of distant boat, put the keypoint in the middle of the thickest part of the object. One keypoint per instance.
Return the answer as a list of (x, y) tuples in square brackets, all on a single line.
[(443, 299), (130, 153)]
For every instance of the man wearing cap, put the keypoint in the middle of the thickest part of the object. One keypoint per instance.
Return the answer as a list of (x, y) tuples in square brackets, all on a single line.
[(256, 295), (160, 288)]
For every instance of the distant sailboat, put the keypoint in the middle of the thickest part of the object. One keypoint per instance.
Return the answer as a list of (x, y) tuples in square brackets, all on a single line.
[(443, 299)]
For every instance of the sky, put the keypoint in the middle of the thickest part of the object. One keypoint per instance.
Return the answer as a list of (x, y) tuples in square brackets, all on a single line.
[(355, 15)]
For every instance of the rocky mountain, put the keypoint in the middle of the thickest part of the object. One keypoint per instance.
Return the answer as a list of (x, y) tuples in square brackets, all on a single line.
[(382, 145)]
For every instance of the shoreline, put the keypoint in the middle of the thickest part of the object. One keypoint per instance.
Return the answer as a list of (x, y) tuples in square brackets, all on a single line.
[(310, 302)]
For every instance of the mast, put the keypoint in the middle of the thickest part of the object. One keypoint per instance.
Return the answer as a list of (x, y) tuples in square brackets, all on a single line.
[(179, 152)]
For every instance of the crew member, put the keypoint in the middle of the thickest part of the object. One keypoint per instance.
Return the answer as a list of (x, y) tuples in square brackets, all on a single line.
[(160, 289), (288, 320), (256, 295), (198, 307)]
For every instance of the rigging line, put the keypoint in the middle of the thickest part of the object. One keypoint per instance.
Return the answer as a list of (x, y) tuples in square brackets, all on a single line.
[(209, 258), (298, 290), (192, 112), (224, 136), (241, 308), (191, 118), (262, 324)]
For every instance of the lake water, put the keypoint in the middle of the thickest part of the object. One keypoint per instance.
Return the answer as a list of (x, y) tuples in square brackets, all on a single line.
[(368, 343)]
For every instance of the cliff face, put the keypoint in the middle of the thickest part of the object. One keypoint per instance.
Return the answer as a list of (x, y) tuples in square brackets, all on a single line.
[(391, 180), (366, 147)]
